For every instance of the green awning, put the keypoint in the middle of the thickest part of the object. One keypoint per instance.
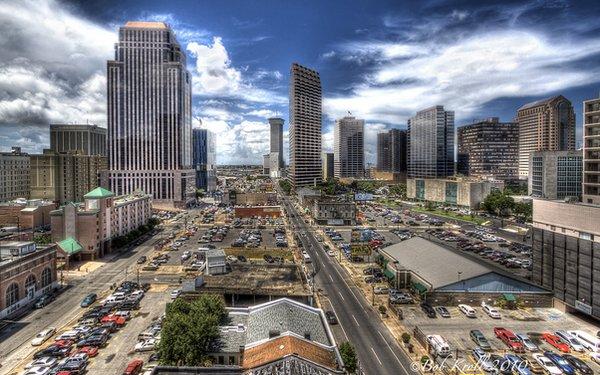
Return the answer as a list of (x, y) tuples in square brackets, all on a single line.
[(389, 274), (70, 246), (509, 297), (420, 288)]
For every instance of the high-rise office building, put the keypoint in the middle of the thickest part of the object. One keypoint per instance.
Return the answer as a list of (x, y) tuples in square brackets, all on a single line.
[(204, 159), (392, 151), (150, 116), (545, 125), (348, 148), (431, 143), (591, 151), (14, 175), (305, 126), (384, 154), (275, 162), (90, 139), (327, 165), (555, 174), (489, 148)]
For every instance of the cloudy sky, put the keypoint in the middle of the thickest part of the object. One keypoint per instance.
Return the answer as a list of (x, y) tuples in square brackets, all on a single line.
[(381, 60)]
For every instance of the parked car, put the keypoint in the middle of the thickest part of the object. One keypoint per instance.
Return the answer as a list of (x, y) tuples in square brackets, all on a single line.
[(134, 367), (44, 300), (517, 365), (480, 340), (142, 259), (381, 290), (467, 310), (428, 310), (175, 293), (42, 362), (509, 338), (145, 346), (44, 335), (443, 311), (483, 359), (331, 318), (568, 339), (88, 300), (527, 343), (578, 364), (561, 363), (556, 342), (491, 311)]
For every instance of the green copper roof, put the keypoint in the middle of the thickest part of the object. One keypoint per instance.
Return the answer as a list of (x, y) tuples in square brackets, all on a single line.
[(99, 192), (70, 246)]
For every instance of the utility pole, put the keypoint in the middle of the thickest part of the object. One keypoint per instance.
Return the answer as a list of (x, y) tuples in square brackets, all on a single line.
[(373, 293)]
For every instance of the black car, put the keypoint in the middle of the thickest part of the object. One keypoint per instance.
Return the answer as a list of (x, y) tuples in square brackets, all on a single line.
[(142, 259), (109, 326), (74, 367), (44, 300), (130, 305), (268, 259), (428, 310), (501, 364), (97, 340), (241, 258), (331, 318), (578, 364), (443, 311), (52, 351)]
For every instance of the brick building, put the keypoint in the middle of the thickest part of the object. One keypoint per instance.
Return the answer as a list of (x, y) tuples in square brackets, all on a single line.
[(26, 273), (14, 174), (26, 214)]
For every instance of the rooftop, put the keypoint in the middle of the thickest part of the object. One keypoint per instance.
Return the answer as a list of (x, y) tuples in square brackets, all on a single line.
[(538, 103), (147, 25), (99, 192)]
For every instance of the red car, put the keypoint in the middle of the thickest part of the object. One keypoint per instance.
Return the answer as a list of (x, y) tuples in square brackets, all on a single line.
[(63, 343), (555, 341), (509, 339), (133, 367), (118, 320), (91, 351), (64, 372)]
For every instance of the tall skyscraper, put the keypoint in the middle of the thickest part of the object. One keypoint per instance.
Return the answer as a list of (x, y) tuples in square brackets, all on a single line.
[(90, 139), (555, 174), (348, 148), (384, 153), (204, 159), (490, 148), (276, 164), (545, 125), (150, 116), (431, 143), (327, 158), (591, 151), (305, 126), (14, 174)]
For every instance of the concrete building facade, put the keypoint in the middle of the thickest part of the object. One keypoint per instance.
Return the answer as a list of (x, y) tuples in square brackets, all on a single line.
[(566, 252), (328, 165), (26, 214), (349, 148), (591, 151), (26, 273), (392, 151), (14, 175), (305, 127), (555, 174), (150, 116), (459, 192), (276, 164), (431, 143), (64, 177), (204, 159), (491, 149), (89, 139), (334, 212), (545, 125)]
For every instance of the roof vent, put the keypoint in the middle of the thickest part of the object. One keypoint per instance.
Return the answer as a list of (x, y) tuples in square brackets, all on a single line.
[(307, 335), (273, 333)]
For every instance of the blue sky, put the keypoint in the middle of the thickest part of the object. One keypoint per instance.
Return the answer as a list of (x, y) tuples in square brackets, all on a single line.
[(381, 60)]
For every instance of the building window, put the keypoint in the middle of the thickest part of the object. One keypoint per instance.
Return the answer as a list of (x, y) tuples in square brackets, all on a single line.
[(30, 282), (46, 277), (12, 294)]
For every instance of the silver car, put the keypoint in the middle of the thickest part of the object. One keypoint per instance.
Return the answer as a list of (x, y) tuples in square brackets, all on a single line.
[(527, 343)]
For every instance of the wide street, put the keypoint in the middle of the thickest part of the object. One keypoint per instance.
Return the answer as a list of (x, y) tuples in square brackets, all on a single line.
[(377, 350), (16, 336)]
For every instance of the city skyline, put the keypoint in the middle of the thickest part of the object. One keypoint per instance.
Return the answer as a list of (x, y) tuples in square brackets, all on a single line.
[(250, 65)]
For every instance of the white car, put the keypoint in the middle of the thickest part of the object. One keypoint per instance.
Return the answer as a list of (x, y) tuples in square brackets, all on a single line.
[(44, 335), (483, 359), (547, 364), (124, 313), (595, 357), (527, 343), (330, 253), (69, 335), (38, 371), (491, 311), (175, 293), (42, 362), (570, 340), (145, 345), (467, 310)]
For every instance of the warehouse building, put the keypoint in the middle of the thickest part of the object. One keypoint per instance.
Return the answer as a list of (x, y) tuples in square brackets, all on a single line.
[(460, 192), (444, 276)]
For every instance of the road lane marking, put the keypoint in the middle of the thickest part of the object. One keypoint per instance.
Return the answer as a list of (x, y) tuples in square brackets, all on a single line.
[(355, 320), (376, 356), (331, 278), (392, 350), (340, 293)]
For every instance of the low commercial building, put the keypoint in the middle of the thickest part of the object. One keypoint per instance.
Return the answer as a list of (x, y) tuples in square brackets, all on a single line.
[(270, 337), (258, 211), (26, 273), (555, 174), (256, 199), (64, 177), (215, 262), (398, 177), (89, 227), (445, 277), (459, 192), (566, 253), (334, 212), (26, 214), (14, 175), (307, 195)]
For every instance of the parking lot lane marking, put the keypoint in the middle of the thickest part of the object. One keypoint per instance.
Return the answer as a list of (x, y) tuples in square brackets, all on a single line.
[(376, 356), (340, 293), (355, 320), (393, 353)]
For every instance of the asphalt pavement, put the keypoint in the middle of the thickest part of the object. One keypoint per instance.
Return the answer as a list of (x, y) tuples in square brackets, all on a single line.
[(376, 348)]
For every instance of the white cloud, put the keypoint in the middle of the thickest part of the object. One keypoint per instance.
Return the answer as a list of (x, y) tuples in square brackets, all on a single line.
[(264, 113), (463, 75)]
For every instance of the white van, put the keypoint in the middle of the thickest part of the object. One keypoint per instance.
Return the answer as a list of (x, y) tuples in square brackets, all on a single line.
[(491, 311), (439, 346), (306, 257), (467, 310), (590, 342)]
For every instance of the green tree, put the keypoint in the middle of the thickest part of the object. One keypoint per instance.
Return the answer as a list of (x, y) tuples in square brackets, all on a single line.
[(348, 354), (286, 186), (398, 190), (200, 193), (523, 210), (191, 330), (498, 203)]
